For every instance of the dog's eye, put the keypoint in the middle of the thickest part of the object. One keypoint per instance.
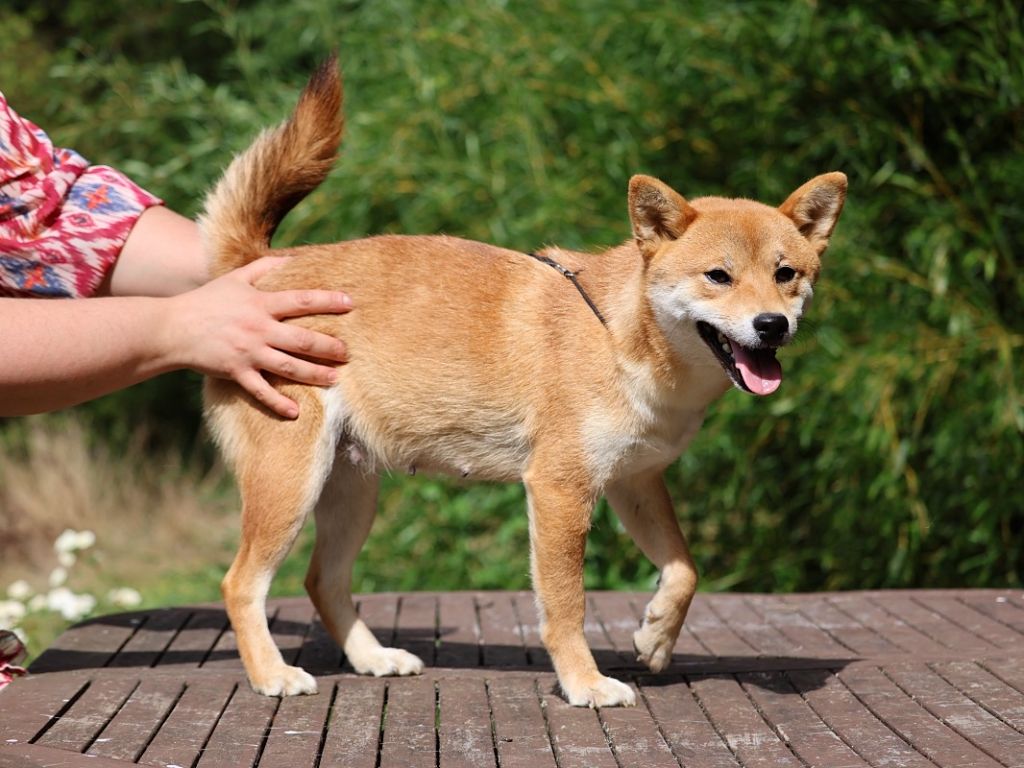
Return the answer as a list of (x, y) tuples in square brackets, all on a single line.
[(784, 274), (719, 276)]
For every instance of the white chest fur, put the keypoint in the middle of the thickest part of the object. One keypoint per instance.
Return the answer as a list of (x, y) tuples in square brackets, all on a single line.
[(646, 432)]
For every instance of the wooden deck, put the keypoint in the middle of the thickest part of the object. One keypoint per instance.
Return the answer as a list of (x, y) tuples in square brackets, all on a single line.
[(885, 679)]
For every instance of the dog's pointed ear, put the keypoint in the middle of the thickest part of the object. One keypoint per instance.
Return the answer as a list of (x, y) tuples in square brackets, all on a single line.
[(815, 207), (658, 213)]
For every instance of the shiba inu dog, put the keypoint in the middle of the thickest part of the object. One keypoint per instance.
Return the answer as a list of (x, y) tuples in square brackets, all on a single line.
[(483, 362)]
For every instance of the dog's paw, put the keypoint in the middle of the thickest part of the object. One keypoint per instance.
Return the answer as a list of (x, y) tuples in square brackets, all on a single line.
[(381, 662), (284, 681), (599, 691), (653, 646)]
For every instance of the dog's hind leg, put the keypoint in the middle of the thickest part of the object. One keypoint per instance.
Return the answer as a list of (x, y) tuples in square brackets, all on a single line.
[(279, 478), (645, 508), (344, 516)]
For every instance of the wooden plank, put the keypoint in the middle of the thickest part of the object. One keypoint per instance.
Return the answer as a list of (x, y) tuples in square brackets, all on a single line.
[(320, 654), (891, 628), (125, 737), (812, 740), (747, 619), (289, 627), (417, 626), (37, 756), (299, 725), (986, 689), (635, 737), (196, 640), (353, 733), (185, 731), (519, 728), (1010, 671), (464, 734), (692, 738), (458, 633), (379, 613), (224, 657), (853, 722), (82, 723), (32, 704), (613, 611), (151, 639), (529, 623), (945, 702), (1001, 608), (806, 638), (89, 645), (846, 629), (971, 619), (943, 631), (238, 737), (499, 631), (712, 633), (409, 732), (577, 736), (601, 645), (750, 739), (912, 722)]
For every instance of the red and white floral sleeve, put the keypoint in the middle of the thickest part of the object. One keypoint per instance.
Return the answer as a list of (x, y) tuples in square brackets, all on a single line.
[(63, 222)]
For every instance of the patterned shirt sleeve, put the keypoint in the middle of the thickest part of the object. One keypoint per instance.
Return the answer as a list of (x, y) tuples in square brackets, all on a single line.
[(63, 222)]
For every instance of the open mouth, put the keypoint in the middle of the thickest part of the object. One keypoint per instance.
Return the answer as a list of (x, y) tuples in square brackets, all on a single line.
[(752, 369)]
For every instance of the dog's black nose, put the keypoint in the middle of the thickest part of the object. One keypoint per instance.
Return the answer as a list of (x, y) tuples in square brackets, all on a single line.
[(771, 327)]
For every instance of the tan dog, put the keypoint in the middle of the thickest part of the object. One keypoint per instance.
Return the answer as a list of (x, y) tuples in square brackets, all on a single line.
[(482, 362)]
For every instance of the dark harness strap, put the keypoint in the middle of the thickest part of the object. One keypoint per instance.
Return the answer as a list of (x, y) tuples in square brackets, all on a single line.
[(569, 275)]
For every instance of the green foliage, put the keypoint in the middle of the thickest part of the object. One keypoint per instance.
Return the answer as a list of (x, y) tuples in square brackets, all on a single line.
[(893, 454)]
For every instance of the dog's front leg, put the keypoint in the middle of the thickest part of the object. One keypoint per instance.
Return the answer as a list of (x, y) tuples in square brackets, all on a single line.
[(560, 512), (645, 508)]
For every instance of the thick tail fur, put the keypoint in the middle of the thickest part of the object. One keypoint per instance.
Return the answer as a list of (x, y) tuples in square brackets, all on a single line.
[(282, 166)]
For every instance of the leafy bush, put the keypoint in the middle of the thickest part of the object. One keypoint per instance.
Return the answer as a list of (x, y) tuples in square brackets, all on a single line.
[(893, 454)]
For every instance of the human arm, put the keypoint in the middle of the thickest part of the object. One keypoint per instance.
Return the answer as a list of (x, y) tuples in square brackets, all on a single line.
[(58, 353)]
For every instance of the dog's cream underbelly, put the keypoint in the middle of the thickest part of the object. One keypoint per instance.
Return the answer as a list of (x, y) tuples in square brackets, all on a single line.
[(487, 445)]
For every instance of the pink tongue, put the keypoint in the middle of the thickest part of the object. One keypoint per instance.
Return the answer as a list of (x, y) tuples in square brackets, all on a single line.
[(760, 370)]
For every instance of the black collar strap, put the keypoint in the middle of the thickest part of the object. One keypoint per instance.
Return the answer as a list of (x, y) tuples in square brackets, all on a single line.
[(569, 275)]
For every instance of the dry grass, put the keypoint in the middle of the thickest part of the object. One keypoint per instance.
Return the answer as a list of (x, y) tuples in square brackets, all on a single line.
[(163, 526)]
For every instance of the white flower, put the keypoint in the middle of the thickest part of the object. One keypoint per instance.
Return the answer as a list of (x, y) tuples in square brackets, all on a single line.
[(58, 576), (70, 540), (37, 603), (11, 612), (19, 590), (66, 559), (66, 541), (59, 598), (124, 597), (71, 606)]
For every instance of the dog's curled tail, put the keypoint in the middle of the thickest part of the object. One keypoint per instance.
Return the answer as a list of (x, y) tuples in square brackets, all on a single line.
[(282, 166)]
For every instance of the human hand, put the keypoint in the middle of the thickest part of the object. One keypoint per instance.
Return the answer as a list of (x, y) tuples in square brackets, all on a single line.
[(230, 329)]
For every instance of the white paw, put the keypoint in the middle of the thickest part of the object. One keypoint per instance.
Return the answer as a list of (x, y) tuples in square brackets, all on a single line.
[(654, 646), (382, 662), (286, 681), (600, 691)]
